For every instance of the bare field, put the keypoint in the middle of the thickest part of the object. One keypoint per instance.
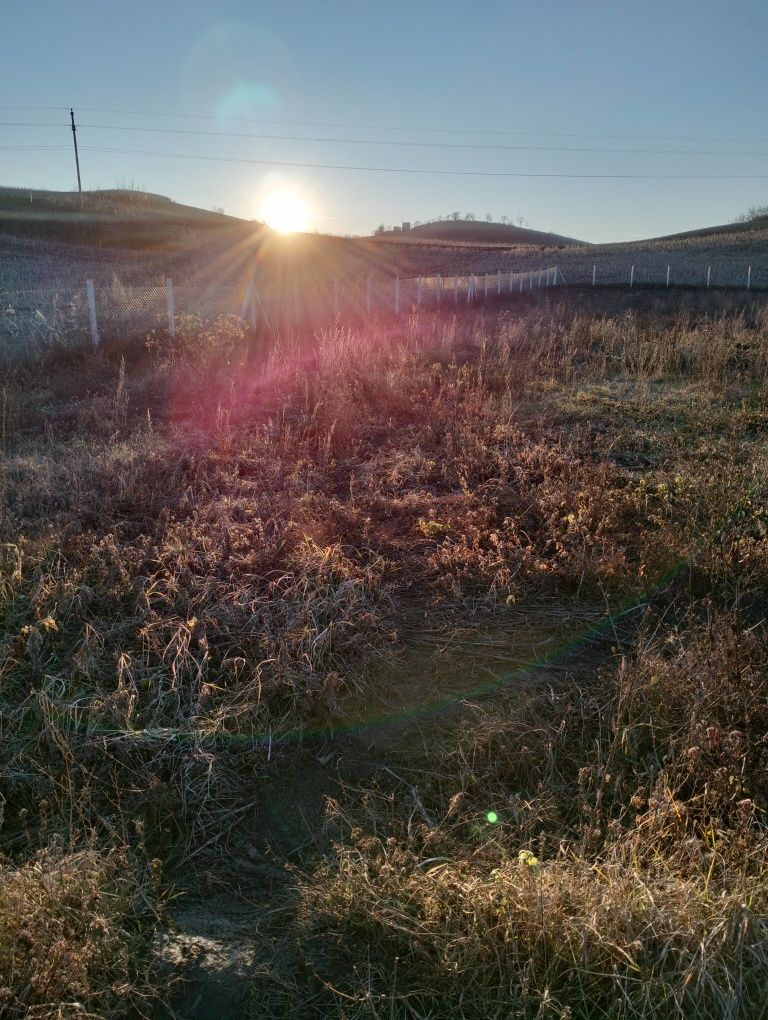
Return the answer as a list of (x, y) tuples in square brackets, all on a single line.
[(410, 671)]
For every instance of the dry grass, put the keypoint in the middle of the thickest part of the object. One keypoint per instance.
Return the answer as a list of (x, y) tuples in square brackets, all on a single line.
[(203, 546), (73, 933)]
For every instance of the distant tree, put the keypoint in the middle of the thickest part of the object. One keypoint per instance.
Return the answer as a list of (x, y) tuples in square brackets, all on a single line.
[(381, 229), (504, 219), (489, 217), (756, 212), (470, 217), (218, 209), (455, 216)]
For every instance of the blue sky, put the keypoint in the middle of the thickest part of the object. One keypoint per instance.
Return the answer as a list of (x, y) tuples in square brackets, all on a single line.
[(687, 73)]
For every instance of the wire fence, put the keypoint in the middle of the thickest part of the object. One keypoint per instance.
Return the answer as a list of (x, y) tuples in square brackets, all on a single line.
[(77, 314), (34, 319), (657, 271)]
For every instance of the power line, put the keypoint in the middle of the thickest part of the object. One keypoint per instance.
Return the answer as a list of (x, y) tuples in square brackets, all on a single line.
[(430, 130), (391, 142), (391, 127), (47, 108), (419, 170)]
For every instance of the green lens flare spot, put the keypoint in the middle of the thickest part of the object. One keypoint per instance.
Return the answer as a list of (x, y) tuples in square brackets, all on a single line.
[(492, 817)]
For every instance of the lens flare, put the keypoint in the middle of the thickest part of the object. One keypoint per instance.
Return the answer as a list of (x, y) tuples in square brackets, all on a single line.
[(285, 211)]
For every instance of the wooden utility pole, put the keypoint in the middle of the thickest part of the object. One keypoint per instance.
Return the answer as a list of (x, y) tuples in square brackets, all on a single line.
[(77, 158)]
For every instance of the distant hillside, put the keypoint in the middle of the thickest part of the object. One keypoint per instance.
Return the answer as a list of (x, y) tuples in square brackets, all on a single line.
[(477, 232), (113, 218), (759, 223)]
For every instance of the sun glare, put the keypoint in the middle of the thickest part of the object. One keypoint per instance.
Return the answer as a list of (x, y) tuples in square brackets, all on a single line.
[(285, 211)]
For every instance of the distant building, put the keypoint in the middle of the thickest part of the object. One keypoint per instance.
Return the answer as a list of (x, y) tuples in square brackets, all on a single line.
[(406, 225), (396, 230)]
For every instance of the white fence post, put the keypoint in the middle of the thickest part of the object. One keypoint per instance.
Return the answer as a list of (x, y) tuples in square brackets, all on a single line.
[(92, 313), (594, 275), (709, 276), (439, 288), (521, 281), (171, 308), (368, 296), (455, 290), (668, 275), (418, 291), (485, 294), (397, 295), (749, 277), (532, 276), (498, 284), (632, 277), (511, 279), (336, 299)]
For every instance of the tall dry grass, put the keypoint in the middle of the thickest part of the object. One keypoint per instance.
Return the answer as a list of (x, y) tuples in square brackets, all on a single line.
[(204, 544)]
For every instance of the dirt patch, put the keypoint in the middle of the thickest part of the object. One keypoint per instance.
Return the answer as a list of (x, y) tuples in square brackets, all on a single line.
[(230, 935)]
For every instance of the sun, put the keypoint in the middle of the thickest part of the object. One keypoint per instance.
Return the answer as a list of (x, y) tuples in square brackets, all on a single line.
[(285, 211)]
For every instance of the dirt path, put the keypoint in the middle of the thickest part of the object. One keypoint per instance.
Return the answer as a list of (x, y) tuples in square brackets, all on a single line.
[(230, 932)]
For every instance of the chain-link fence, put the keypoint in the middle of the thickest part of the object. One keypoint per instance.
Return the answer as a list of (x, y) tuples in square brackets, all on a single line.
[(32, 321), (67, 316)]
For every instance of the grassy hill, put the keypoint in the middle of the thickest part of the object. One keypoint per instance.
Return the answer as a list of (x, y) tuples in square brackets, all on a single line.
[(114, 218), (759, 223), (469, 232)]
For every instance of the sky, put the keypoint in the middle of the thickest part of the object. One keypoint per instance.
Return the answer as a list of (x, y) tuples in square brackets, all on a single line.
[(518, 105)]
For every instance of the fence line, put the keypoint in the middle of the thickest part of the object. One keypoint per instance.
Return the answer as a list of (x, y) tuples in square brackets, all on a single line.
[(690, 274), (117, 312)]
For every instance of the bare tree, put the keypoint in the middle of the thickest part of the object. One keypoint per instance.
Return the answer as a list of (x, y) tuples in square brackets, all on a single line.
[(756, 212)]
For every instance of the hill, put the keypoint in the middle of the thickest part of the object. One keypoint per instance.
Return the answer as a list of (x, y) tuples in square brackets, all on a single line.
[(116, 218), (48, 241), (758, 223), (474, 232)]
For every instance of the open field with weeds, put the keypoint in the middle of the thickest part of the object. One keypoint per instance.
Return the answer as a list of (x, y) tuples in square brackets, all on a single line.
[(412, 672)]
